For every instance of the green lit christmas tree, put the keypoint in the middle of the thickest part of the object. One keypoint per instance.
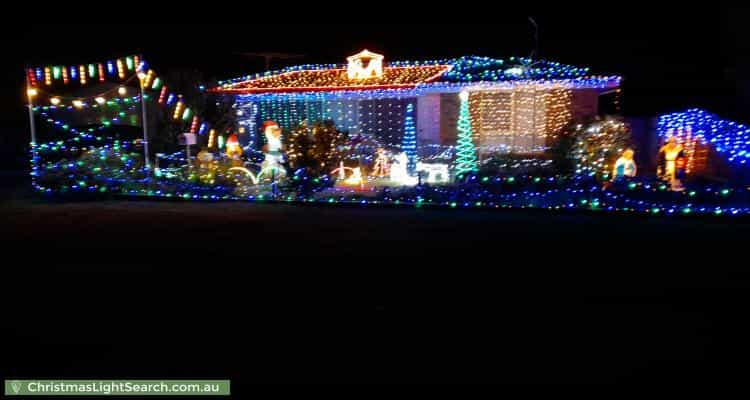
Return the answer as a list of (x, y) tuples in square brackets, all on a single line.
[(466, 153)]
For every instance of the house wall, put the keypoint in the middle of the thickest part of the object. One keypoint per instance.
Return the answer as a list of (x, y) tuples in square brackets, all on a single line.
[(428, 119), (449, 107), (345, 114), (522, 120), (384, 119), (585, 104)]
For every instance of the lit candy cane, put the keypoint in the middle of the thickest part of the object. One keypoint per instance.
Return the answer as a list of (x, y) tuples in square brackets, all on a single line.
[(101, 72), (65, 75), (120, 69), (82, 74), (162, 95), (47, 76), (211, 136), (194, 125)]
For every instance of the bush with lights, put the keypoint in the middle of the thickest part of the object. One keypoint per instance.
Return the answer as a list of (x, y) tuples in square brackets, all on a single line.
[(316, 149), (591, 148)]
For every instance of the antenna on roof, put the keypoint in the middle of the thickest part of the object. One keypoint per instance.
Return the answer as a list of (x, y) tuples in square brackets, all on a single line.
[(269, 56), (535, 50)]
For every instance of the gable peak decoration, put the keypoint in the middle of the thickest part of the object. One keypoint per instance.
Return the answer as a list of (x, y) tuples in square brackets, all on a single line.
[(365, 65)]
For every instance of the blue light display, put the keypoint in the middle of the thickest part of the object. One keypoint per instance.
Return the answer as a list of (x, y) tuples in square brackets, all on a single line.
[(409, 142), (728, 138)]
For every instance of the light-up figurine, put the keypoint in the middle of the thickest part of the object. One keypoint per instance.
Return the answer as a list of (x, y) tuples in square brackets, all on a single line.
[(436, 173), (399, 173), (668, 158), (625, 166), (272, 150), (380, 169), (205, 159), (355, 178), (234, 150)]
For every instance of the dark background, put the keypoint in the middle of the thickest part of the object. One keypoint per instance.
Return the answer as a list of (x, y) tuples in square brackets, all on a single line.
[(261, 293)]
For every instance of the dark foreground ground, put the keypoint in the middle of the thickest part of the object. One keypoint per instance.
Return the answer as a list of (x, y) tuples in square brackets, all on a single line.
[(278, 293)]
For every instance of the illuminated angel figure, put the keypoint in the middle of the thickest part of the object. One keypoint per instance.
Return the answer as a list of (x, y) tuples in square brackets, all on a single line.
[(382, 166)]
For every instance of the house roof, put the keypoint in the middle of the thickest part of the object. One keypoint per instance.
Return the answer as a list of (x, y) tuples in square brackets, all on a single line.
[(333, 79), (408, 75)]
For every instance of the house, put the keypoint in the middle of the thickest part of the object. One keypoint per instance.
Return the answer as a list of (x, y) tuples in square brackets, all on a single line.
[(516, 105)]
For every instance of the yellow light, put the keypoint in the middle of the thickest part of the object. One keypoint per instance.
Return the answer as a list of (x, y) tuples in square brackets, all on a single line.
[(31, 92), (120, 69), (523, 118), (146, 78), (211, 135), (55, 101), (100, 100), (122, 91), (82, 74), (77, 103), (178, 110), (365, 65)]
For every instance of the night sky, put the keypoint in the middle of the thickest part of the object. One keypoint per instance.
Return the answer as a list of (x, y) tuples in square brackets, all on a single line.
[(670, 59)]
